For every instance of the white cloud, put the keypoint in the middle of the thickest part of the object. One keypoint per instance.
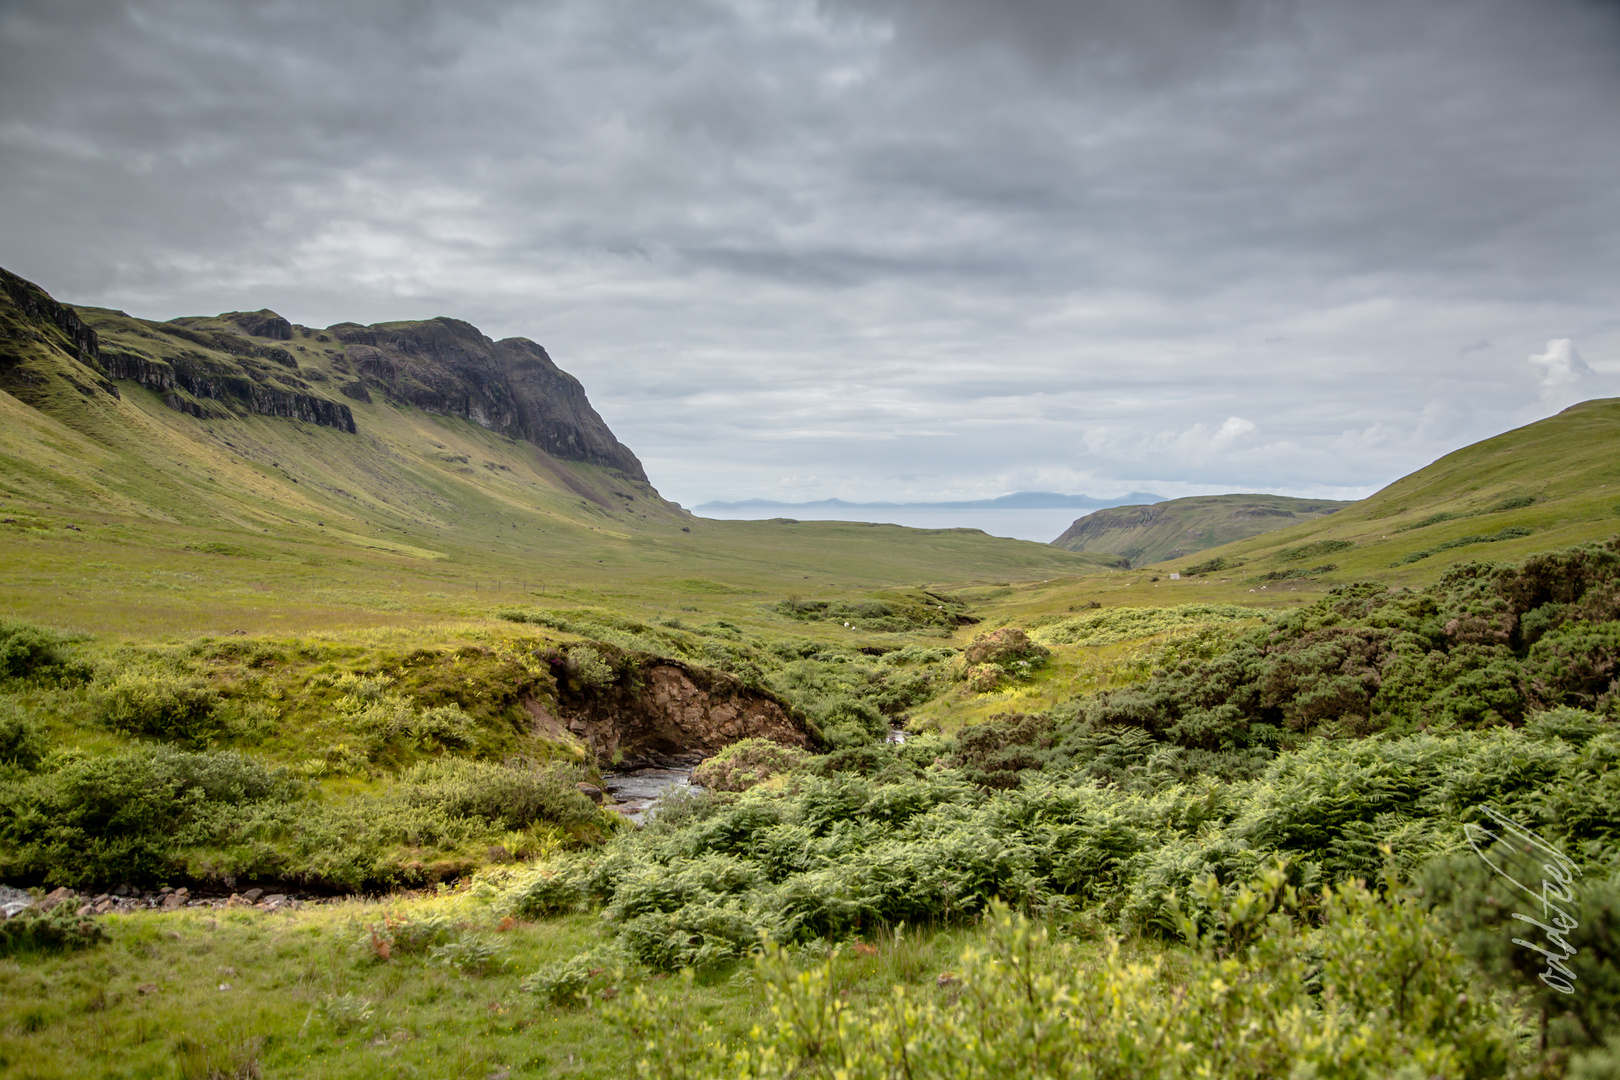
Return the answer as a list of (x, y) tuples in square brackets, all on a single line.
[(1234, 428), (1561, 363)]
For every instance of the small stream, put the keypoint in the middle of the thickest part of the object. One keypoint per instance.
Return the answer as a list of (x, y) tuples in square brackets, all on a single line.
[(637, 792)]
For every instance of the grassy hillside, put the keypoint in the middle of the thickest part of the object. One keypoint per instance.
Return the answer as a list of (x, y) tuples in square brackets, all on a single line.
[(1542, 486), (1176, 528), (121, 512)]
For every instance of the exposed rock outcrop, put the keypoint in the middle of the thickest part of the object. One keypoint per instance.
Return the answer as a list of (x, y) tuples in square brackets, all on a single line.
[(35, 303), (202, 378), (262, 323), (447, 366), (43, 342), (658, 710)]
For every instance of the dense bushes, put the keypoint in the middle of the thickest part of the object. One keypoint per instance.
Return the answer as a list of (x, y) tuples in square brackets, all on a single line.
[(1376, 991), (510, 796), (846, 852), (22, 740), (745, 763), (35, 652), (1487, 645), (154, 812), (158, 703), (129, 816)]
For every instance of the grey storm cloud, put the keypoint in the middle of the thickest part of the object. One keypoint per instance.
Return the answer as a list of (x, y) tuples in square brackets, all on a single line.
[(876, 248)]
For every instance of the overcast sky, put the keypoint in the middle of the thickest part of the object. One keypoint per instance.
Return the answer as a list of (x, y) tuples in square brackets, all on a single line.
[(876, 249)]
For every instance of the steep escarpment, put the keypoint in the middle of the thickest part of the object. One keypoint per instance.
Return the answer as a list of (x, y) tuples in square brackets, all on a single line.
[(511, 386), (42, 341), (189, 379)]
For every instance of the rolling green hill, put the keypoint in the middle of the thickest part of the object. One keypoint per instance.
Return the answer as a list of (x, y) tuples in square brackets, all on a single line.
[(1542, 486), (1178, 527), (206, 474)]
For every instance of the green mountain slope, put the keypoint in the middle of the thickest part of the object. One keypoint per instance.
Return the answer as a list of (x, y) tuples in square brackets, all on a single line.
[(1178, 527), (1546, 485), (254, 469)]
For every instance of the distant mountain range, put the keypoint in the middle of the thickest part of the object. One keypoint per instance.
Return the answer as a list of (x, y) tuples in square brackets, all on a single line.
[(1018, 500)]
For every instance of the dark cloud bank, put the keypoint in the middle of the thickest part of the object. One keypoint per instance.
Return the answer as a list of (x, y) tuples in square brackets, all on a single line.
[(877, 249)]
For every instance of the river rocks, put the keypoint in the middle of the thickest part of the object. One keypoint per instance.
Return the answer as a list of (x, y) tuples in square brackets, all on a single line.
[(590, 791), (127, 899), (55, 897), (13, 901)]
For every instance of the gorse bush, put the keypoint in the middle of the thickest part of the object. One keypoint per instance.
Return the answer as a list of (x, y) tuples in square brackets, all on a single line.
[(747, 762), (1109, 626), (510, 796), (22, 739), (158, 703), (28, 652)]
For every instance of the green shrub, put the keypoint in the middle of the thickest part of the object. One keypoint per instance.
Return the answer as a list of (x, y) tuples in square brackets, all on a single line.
[(1375, 992), (510, 796), (983, 678), (33, 652), (59, 929), (587, 668), (472, 954), (571, 982), (22, 740), (130, 816), (394, 936), (745, 763), (159, 704), (1578, 997)]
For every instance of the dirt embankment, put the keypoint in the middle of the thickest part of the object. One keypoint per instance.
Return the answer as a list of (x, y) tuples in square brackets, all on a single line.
[(658, 711)]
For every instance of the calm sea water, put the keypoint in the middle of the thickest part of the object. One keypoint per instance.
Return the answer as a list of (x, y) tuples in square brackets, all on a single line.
[(1042, 526)]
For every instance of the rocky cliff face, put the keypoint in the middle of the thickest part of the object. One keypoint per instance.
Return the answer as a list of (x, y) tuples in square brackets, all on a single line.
[(511, 386), (212, 366), (205, 380), (33, 326)]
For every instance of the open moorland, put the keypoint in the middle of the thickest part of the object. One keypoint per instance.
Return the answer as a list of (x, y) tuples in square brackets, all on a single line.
[(319, 646)]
